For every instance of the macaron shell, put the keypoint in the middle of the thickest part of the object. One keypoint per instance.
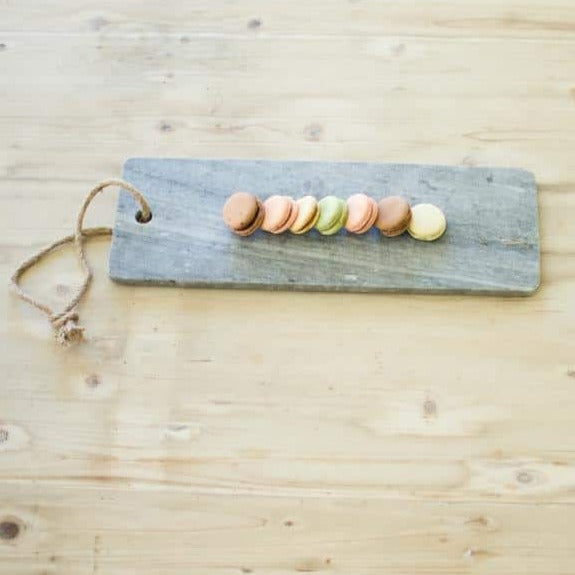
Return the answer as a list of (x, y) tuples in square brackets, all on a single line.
[(372, 217), (307, 215), (240, 211), (311, 223), (291, 218), (340, 223), (330, 209), (427, 223), (256, 224), (278, 210), (359, 212), (394, 215)]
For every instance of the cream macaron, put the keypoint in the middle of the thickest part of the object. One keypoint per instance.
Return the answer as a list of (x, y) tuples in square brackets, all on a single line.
[(308, 213), (427, 222)]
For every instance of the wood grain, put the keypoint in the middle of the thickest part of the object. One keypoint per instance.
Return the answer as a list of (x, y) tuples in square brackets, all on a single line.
[(219, 431), (491, 245), (515, 18)]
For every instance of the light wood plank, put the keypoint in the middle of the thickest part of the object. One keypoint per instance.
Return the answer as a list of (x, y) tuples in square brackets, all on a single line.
[(126, 530), (255, 99), (490, 18)]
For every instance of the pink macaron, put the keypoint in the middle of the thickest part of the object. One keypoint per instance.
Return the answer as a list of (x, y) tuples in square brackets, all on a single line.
[(280, 213), (362, 213)]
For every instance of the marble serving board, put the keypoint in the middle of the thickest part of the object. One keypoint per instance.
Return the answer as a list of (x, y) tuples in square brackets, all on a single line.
[(491, 245)]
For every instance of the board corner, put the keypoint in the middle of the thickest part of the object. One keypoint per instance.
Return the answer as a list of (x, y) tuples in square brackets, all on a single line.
[(132, 163)]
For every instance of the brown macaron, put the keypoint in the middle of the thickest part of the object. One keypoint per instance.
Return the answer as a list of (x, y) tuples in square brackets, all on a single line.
[(243, 213), (280, 214), (394, 214)]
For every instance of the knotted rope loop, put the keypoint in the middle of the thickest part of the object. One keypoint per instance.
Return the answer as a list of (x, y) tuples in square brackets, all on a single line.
[(67, 331)]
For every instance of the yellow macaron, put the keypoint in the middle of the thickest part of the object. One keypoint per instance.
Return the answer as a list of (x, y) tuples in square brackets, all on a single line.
[(427, 222)]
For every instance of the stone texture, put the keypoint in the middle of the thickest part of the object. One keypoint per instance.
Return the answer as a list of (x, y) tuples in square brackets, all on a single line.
[(491, 244)]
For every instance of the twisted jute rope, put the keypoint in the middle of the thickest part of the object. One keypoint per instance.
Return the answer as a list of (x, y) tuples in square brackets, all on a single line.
[(65, 324)]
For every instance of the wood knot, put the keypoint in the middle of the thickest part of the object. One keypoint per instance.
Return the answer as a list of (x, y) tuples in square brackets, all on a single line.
[(10, 529), (13, 438), (254, 24), (524, 477), (478, 553), (313, 132), (93, 381), (288, 523), (469, 161), (309, 565), (479, 520), (98, 23), (481, 523), (62, 290), (429, 408)]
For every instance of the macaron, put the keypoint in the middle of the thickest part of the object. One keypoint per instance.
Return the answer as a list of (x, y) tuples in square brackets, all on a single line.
[(308, 213), (332, 215), (243, 213), (361, 213), (427, 222), (280, 213), (394, 215)]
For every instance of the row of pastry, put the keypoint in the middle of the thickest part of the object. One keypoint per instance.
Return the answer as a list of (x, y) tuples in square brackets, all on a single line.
[(393, 215)]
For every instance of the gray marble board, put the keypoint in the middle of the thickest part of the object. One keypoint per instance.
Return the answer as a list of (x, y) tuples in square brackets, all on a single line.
[(491, 245)]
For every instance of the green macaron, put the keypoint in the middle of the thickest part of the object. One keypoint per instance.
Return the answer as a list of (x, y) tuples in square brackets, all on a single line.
[(332, 215)]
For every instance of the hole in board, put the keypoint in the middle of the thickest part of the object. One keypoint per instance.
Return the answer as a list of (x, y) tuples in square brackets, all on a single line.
[(141, 219)]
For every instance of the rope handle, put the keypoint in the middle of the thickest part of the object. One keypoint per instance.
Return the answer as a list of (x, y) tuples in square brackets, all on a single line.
[(65, 322)]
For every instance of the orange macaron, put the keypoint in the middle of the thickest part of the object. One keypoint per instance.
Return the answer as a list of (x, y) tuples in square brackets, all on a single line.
[(361, 213), (280, 213), (243, 213)]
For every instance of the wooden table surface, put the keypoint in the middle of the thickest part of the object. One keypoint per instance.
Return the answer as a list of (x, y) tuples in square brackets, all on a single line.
[(224, 432)]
